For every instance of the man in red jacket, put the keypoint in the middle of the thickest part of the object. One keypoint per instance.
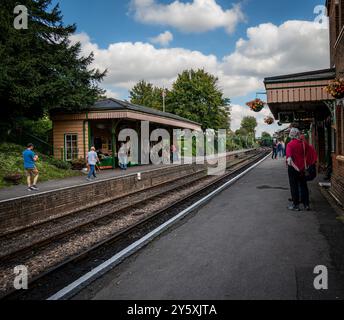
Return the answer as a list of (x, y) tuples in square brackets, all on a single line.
[(300, 155)]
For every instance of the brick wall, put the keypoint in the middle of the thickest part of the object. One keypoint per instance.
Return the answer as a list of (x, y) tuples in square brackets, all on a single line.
[(26, 211), (339, 57), (338, 158), (338, 178), (336, 16)]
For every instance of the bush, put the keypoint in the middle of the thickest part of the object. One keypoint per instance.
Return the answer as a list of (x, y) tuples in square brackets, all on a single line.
[(60, 164), (12, 169), (78, 164), (14, 178)]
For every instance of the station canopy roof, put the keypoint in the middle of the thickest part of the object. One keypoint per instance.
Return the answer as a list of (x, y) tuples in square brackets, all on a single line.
[(118, 109), (301, 92), (115, 104)]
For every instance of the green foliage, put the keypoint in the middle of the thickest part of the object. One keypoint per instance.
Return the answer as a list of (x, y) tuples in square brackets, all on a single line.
[(60, 164), (11, 162), (249, 124), (39, 128), (266, 135), (266, 139), (40, 69), (241, 132), (145, 94), (240, 140), (195, 96), (78, 164)]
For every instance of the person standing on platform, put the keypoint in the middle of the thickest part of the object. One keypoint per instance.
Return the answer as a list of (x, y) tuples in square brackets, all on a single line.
[(30, 159), (92, 159), (123, 157), (283, 149), (300, 156), (280, 148), (274, 149), (174, 151)]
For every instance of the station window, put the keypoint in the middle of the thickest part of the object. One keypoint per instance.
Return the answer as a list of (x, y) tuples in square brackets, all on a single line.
[(71, 147)]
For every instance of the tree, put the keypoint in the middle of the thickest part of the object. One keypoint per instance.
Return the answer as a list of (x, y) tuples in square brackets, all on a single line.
[(266, 135), (145, 94), (40, 69), (266, 139), (195, 96), (249, 124), (241, 132)]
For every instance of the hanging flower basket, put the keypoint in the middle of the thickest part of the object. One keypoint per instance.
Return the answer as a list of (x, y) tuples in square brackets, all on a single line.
[(269, 120), (256, 105), (336, 88)]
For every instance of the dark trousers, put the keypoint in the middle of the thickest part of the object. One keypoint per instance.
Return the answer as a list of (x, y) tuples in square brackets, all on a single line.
[(298, 187), (274, 153)]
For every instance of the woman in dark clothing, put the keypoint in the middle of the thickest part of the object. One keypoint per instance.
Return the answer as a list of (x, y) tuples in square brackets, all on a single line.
[(274, 149), (300, 155)]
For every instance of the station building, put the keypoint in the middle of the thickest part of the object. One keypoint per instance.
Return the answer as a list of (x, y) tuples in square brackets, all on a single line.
[(301, 99), (100, 125)]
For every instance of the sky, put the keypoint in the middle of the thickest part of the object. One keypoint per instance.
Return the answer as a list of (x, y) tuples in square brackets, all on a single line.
[(241, 42)]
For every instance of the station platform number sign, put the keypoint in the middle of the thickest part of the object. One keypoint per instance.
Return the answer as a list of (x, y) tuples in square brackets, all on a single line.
[(286, 117), (289, 117)]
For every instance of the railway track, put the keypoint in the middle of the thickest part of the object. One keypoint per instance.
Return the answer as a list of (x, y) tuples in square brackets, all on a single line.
[(106, 228)]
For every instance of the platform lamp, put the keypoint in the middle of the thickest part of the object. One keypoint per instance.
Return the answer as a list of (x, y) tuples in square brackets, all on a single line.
[(164, 99), (260, 94)]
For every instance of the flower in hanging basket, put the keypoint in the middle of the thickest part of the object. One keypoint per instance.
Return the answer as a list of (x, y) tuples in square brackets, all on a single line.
[(336, 88), (269, 120), (256, 105)]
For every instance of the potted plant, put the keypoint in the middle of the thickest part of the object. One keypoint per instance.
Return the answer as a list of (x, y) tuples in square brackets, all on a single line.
[(13, 178), (256, 105), (336, 88)]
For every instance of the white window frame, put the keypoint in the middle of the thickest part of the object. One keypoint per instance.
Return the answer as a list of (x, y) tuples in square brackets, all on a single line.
[(74, 151)]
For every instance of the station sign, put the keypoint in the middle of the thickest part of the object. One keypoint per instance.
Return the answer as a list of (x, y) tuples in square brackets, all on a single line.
[(286, 117), (304, 116)]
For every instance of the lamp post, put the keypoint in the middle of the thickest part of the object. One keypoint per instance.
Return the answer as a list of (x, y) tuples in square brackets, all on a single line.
[(164, 99)]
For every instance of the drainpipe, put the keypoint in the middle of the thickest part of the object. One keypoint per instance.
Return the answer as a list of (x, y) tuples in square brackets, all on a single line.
[(113, 142), (84, 134)]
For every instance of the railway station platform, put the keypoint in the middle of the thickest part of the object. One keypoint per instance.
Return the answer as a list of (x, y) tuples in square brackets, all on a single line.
[(244, 244), (21, 190)]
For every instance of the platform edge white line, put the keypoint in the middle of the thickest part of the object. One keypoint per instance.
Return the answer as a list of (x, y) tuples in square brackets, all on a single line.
[(134, 247)]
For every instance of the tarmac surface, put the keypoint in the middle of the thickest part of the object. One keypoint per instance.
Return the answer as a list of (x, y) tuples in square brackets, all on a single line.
[(244, 244)]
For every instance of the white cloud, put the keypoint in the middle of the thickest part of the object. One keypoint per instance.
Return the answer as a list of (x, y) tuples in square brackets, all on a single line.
[(239, 112), (127, 62), (196, 16), (112, 94), (294, 46), (163, 39)]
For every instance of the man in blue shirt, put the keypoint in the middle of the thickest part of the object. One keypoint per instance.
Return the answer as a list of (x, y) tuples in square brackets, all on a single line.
[(30, 159)]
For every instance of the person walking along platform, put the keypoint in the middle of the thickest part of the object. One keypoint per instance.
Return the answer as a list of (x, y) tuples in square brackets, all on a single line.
[(92, 159), (30, 159), (300, 157)]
